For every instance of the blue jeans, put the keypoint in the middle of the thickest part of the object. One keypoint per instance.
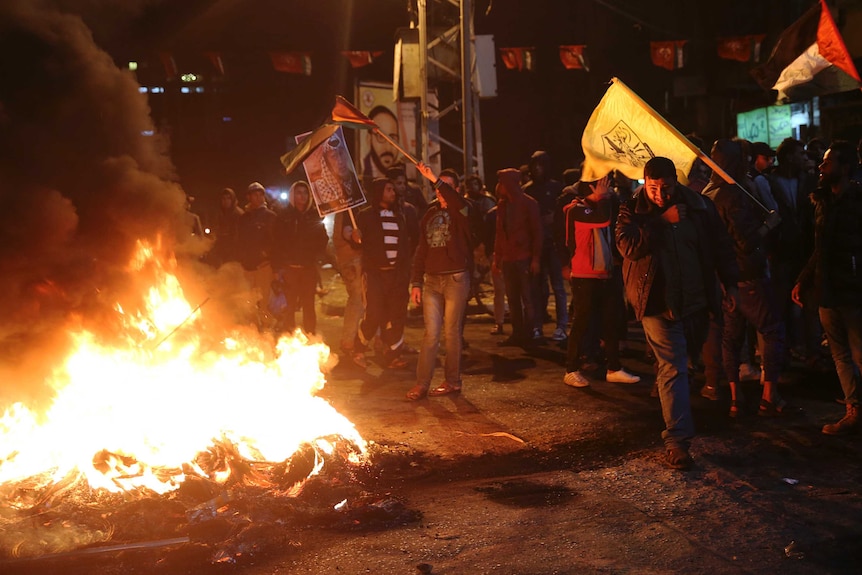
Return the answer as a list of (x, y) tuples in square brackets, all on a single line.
[(550, 268), (843, 327), (755, 304), (444, 299), (668, 340)]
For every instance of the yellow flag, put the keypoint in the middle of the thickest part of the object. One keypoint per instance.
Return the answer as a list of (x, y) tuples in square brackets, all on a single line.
[(624, 133)]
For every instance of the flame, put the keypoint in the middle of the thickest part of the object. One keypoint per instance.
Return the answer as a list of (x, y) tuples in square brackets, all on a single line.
[(140, 414)]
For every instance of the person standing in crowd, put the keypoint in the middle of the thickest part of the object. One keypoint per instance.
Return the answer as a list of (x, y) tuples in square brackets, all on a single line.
[(747, 227), (546, 190), (791, 247), (673, 244), (441, 283), (835, 271), (299, 243), (255, 239), (480, 202), (762, 161), (590, 224), (348, 256), (385, 244), (517, 252), (226, 230), (406, 190)]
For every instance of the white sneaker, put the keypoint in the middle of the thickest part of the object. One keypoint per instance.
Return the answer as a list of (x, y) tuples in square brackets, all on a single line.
[(621, 376), (537, 334), (559, 334), (576, 379), (749, 372)]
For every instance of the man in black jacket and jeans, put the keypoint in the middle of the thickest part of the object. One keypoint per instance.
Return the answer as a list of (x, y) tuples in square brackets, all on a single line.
[(385, 244), (835, 271), (674, 245)]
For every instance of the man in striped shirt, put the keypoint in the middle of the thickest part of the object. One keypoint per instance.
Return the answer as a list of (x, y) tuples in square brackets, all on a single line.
[(383, 238)]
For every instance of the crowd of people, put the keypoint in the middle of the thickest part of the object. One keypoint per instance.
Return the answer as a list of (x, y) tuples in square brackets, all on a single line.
[(746, 263)]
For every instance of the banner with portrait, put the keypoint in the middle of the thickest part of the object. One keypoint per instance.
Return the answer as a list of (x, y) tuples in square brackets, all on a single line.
[(398, 120), (331, 175)]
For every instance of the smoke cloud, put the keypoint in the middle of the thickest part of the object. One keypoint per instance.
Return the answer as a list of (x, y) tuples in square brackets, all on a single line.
[(80, 183)]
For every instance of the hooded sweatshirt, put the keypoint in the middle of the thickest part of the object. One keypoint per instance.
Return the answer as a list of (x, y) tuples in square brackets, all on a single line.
[(299, 237), (519, 228)]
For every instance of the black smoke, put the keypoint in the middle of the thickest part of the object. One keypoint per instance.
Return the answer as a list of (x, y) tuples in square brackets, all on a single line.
[(80, 183)]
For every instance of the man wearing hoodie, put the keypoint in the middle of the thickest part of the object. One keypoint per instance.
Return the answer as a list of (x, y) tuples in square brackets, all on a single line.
[(517, 252), (226, 230), (255, 239), (546, 192), (299, 243), (746, 226)]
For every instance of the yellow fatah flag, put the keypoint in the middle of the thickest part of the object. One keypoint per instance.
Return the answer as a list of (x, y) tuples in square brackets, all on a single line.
[(624, 133)]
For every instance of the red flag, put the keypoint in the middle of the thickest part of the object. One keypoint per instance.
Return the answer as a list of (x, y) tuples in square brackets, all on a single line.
[(757, 40), (216, 61), (169, 64), (809, 59), (669, 54), (573, 57), (360, 58), (346, 113), (737, 48), (292, 62), (518, 58)]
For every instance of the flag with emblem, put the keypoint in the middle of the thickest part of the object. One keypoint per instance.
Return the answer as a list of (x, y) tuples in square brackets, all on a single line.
[(669, 55), (518, 58), (624, 133)]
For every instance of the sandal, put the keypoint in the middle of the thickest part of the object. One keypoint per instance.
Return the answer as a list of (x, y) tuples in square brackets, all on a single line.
[(396, 363), (678, 458), (444, 388), (417, 392), (358, 359), (777, 408), (735, 406)]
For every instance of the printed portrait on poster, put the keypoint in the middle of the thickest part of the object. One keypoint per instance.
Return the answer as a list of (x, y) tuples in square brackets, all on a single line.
[(331, 175)]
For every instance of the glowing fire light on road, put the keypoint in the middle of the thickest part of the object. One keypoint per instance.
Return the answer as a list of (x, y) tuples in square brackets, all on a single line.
[(146, 413)]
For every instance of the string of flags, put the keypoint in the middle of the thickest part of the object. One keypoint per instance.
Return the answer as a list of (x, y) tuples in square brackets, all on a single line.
[(810, 53), (295, 62), (670, 54)]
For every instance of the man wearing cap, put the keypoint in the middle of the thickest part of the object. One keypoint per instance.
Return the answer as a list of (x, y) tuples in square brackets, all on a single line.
[(762, 160)]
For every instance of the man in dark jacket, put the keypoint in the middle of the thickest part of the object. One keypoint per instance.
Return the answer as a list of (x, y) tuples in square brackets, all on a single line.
[(748, 227), (517, 253), (546, 191), (441, 282), (299, 243), (835, 271), (386, 249), (674, 244), (255, 240)]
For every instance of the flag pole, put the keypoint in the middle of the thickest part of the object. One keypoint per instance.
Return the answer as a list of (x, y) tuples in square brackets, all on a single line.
[(396, 145), (688, 143)]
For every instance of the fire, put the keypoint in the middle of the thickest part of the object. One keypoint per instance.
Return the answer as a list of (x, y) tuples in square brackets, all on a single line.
[(142, 414)]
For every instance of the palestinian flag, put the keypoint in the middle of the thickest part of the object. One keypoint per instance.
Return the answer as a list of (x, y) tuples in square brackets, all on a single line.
[(346, 114), (810, 59)]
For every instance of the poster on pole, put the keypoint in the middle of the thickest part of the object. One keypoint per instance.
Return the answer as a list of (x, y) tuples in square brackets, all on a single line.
[(399, 120), (331, 175)]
